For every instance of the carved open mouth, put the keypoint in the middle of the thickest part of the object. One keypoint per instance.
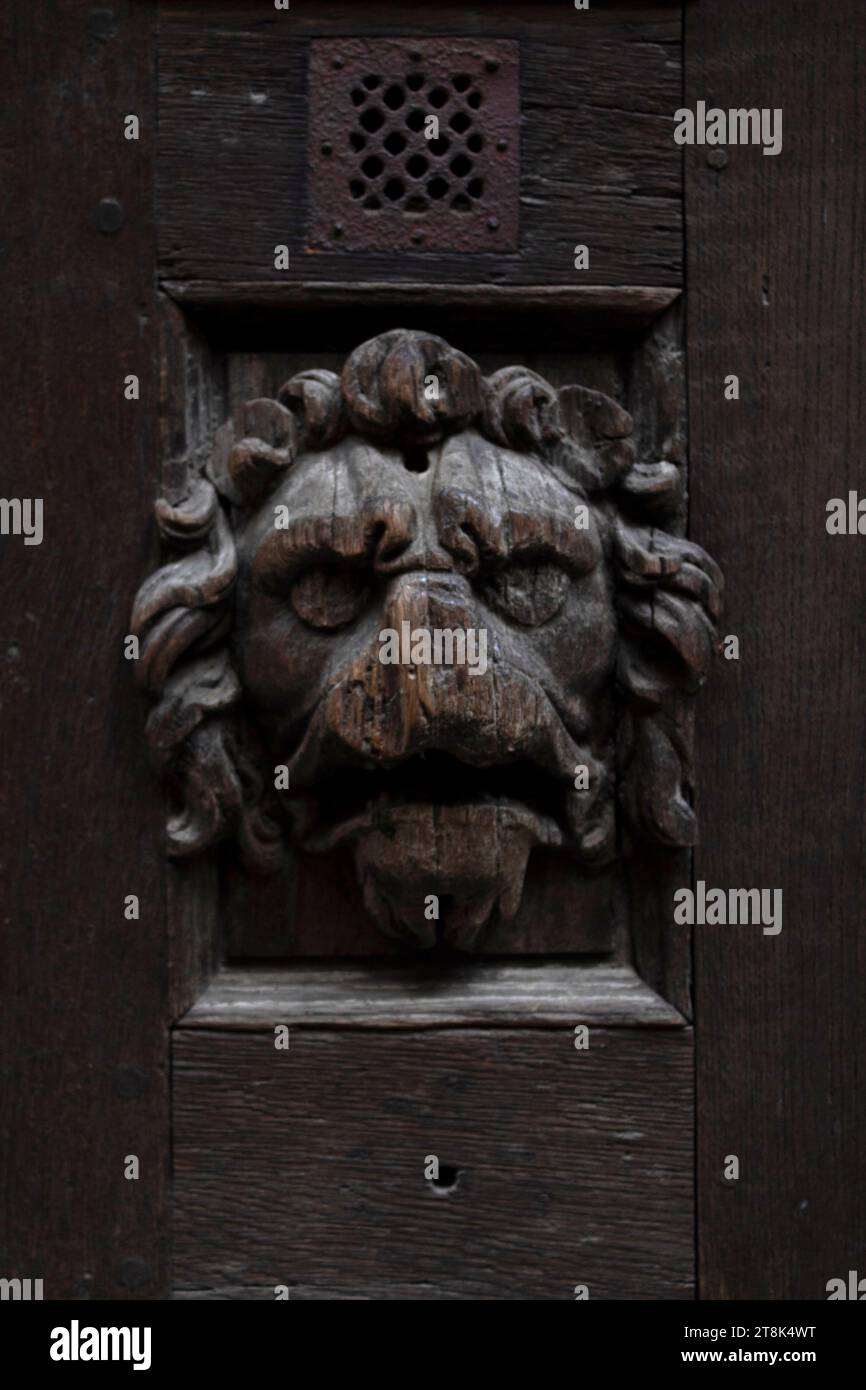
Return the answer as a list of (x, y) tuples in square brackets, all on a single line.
[(435, 825), (354, 800)]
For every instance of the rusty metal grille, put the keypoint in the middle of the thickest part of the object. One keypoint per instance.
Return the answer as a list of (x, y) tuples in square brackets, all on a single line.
[(382, 177)]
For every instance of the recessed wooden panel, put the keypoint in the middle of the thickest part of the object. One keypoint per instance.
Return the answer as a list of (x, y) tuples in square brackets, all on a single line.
[(598, 164), (311, 907), (306, 1167)]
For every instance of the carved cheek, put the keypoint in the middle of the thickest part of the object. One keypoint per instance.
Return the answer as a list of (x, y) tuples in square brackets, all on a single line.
[(277, 666), (579, 646), (589, 618)]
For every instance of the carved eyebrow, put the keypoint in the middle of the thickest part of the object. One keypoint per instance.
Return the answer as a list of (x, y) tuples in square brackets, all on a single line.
[(553, 533), (468, 529), (348, 539)]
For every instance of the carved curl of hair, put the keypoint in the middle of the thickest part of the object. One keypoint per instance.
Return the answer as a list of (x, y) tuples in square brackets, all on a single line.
[(668, 590)]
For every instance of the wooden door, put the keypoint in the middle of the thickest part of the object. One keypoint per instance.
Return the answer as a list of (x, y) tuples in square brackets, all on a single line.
[(398, 981)]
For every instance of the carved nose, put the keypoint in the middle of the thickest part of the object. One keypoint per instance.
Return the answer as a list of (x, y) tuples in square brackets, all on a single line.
[(429, 599), (402, 551)]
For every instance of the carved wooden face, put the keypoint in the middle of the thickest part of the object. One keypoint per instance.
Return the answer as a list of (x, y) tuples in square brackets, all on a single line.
[(452, 610), (440, 775)]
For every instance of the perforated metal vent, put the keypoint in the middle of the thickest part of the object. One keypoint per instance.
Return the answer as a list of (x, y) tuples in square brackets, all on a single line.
[(383, 175)]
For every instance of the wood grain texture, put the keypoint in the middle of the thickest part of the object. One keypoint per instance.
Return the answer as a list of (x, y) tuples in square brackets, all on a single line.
[(417, 995), (84, 1014), (598, 92), (573, 1167), (776, 294)]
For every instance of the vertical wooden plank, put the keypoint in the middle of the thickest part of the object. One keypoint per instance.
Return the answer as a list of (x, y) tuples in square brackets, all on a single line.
[(84, 1054), (776, 294)]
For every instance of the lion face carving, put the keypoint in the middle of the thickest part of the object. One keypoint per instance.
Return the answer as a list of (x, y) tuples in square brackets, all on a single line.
[(345, 560)]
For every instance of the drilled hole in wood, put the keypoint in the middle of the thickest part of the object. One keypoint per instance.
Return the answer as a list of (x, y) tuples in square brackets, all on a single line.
[(447, 1179), (416, 460)]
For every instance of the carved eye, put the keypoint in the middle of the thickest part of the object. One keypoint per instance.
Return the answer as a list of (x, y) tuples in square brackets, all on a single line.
[(328, 595), (529, 591)]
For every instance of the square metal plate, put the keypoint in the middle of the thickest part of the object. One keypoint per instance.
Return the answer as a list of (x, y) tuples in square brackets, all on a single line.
[(383, 174)]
